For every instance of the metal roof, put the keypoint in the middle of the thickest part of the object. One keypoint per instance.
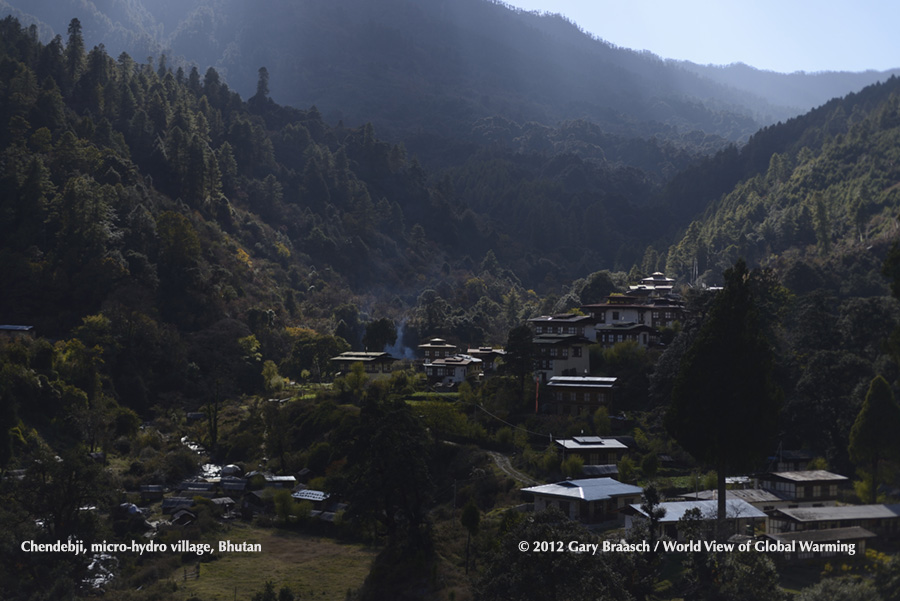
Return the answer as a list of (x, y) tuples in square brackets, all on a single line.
[(582, 381), (355, 356), (805, 476), (588, 489), (751, 495), (734, 509), (310, 495), (589, 443), (825, 534), (842, 512)]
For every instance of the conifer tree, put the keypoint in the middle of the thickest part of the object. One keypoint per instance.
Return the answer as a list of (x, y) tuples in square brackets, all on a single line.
[(873, 437), (724, 402)]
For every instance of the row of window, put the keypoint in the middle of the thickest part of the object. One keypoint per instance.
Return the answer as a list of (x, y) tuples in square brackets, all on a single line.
[(586, 397), (539, 329)]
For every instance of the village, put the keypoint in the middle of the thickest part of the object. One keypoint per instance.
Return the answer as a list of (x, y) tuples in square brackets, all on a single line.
[(790, 508)]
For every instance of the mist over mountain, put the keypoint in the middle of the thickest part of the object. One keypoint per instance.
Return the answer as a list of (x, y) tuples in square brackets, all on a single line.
[(798, 92), (439, 66)]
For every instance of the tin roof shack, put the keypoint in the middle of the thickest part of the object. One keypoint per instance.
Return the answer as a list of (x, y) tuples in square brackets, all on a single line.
[(742, 518), (591, 500), (594, 450), (803, 488), (812, 544), (883, 520), (580, 395), (377, 365)]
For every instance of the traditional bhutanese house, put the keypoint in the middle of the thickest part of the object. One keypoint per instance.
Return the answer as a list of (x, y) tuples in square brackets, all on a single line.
[(808, 487), (657, 281), (760, 498), (488, 356), (437, 348), (595, 450), (377, 365), (740, 516), (883, 520), (590, 500), (452, 371), (810, 544), (628, 316), (610, 335), (560, 355), (579, 395), (570, 324)]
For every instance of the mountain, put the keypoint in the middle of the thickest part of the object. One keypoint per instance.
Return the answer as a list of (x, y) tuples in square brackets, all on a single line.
[(433, 65), (816, 197), (799, 92)]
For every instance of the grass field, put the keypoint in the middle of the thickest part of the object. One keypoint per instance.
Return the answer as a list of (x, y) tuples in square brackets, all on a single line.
[(312, 567)]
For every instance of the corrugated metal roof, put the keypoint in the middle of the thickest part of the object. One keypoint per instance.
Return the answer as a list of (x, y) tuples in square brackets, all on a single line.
[(310, 495)]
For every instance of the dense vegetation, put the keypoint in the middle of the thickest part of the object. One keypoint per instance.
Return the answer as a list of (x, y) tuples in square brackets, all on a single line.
[(180, 249)]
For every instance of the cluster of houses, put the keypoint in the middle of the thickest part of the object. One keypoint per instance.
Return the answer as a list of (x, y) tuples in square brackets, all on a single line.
[(797, 510), (560, 347), (238, 496)]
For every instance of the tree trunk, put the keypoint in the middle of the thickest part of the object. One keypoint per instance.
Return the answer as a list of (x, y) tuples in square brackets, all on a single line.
[(721, 514)]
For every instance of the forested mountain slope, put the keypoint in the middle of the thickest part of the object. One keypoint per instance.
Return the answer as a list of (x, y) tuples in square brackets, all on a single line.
[(437, 66), (826, 179)]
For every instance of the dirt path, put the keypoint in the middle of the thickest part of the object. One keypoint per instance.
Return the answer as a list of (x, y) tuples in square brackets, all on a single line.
[(506, 467)]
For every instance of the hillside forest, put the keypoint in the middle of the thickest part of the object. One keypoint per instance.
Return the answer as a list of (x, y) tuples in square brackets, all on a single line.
[(186, 256)]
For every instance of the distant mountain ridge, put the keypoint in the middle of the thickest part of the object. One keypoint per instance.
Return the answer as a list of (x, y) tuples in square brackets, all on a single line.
[(437, 65)]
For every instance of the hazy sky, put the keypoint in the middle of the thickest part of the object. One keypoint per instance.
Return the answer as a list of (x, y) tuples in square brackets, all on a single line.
[(779, 35)]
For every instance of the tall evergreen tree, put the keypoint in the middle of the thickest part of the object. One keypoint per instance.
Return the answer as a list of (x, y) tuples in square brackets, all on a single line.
[(725, 402), (873, 437)]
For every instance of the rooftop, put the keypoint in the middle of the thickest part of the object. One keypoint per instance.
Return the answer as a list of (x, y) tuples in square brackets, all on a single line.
[(590, 442), (806, 476), (734, 509), (842, 512), (588, 489), (825, 535), (359, 356), (310, 495), (582, 381), (751, 495), (456, 360)]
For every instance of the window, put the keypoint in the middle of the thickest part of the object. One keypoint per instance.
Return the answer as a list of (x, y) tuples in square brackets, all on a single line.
[(615, 316), (576, 351), (539, 329)]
